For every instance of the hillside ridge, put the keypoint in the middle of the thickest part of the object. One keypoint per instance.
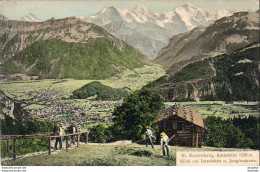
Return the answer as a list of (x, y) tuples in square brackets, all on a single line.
[(62, 48)]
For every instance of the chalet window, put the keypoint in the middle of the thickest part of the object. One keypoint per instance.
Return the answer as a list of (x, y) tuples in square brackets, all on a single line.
[(180, 126), (168, 125)]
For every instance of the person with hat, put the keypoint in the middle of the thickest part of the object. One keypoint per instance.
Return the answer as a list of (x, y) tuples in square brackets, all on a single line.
[(149, 136), (73, 129), (164, 144), (58, 132)]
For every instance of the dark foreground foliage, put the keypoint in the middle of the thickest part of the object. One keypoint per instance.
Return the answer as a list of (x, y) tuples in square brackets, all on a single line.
[(10, 126), (232, 133)]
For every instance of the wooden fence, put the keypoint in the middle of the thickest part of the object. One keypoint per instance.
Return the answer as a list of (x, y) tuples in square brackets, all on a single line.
[(8, 138)]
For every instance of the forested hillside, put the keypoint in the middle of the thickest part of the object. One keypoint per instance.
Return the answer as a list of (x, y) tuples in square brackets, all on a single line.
[(64, 48), (227, 77)]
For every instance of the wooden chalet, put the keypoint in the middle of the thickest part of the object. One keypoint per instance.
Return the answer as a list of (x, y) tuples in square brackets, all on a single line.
[(187, 125)]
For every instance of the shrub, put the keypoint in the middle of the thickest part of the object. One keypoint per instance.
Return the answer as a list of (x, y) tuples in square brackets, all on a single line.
[(138, 110), (99, 134)]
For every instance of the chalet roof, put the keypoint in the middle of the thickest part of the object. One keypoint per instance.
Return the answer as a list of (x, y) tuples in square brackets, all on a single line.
[(182, 112)]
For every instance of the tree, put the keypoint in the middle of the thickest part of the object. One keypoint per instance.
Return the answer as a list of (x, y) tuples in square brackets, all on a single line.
[(138, 110), (223, 133), (99, 133)]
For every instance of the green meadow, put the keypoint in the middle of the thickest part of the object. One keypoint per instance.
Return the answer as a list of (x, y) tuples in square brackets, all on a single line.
[(220, 109), (131, 78)]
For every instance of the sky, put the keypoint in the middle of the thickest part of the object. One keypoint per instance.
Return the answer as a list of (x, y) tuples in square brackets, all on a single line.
[(44, 9)]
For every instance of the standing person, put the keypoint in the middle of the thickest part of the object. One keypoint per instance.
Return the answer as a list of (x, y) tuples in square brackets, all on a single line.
[(59, 132), (149, 136), (73, 129), (164, 144)]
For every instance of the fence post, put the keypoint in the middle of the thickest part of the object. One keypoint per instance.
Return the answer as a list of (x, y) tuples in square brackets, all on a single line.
[(87, 138), (7, 148), (14, 149), (197, 140), (78, 140), (67, 142), (49, 145)]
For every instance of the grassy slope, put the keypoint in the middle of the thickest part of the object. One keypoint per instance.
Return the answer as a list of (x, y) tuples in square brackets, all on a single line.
[(87, 155), (94, 60)]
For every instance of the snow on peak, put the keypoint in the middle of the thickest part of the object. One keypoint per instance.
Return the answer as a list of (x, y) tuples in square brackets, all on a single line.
[(140, 9), (138, 24), (30, 18), (109, 9), (189, 6)]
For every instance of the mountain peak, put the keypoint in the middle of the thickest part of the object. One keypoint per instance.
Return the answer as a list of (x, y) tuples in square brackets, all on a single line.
[(110, 10), (30, 17), (187, 7), (136, 25), (110, 7), (140, 9)]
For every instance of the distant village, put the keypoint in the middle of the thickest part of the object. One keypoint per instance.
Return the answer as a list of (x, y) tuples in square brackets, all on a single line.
[(67, 113)]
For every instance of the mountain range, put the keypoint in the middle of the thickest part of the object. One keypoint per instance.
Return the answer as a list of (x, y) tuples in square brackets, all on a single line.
[(150, 31), (64, 48), (224, 36), (147, 30)]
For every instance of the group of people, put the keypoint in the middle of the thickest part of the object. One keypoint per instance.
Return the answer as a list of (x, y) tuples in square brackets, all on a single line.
[(164, 140), (60, 131)]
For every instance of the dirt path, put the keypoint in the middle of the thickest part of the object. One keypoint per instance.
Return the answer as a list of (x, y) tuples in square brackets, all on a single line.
[(124, 142)]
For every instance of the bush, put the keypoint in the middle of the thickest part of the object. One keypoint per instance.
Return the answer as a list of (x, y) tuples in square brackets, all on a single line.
[(99, 133), (138, 110)]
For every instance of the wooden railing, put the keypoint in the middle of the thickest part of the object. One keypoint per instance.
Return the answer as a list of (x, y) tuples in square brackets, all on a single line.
[(41, 136)]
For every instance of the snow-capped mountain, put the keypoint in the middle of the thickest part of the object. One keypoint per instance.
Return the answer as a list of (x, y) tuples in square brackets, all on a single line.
[(150, 31), (30, 18), (226, 35)]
